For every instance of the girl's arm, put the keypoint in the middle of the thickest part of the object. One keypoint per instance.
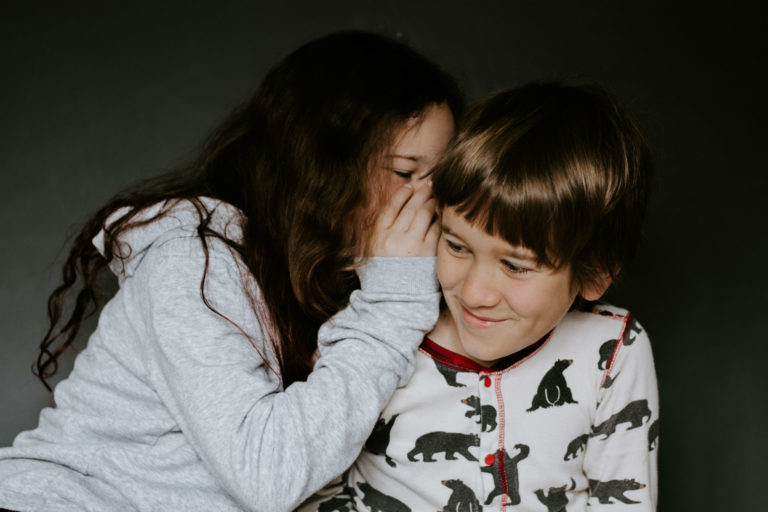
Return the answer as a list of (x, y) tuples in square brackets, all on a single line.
[(271, 448)]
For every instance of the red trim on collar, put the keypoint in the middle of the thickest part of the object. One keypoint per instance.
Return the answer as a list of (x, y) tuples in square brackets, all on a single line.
[(449, 358)]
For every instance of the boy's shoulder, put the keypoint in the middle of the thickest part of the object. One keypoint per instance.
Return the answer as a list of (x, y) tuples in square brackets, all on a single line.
[(599, 319), (599, 311)]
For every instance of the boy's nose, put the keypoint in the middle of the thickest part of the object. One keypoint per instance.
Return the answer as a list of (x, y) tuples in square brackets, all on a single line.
[(478, 289)]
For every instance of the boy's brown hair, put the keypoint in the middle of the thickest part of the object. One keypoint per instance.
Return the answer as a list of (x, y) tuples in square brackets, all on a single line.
[(560, 169)]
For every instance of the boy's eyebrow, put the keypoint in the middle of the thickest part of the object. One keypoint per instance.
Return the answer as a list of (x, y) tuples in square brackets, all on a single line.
[(522, 254), (517, 253), (446, 229)]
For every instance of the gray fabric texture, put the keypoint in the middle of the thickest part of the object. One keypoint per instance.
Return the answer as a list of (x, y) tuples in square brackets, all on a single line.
[(172, 407)]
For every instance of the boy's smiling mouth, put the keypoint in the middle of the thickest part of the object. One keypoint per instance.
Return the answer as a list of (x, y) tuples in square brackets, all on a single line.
[(478, 322)]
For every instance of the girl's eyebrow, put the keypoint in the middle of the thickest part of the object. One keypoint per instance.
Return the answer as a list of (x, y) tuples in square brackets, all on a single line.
[(413, 158)]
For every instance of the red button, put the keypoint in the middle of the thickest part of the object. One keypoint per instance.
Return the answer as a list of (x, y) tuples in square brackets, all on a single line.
[(487, 382), (490, 459)]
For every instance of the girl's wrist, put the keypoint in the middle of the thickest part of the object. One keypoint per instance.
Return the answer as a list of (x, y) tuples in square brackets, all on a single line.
[(399, 275)]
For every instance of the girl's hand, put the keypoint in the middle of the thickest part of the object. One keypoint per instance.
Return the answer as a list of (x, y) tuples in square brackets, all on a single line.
[(406, 225)]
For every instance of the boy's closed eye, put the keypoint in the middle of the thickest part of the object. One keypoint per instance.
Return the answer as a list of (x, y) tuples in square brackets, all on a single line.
[(454, 247)]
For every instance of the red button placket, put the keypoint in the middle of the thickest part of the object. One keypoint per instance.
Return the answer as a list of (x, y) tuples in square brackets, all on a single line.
[(490, 439)]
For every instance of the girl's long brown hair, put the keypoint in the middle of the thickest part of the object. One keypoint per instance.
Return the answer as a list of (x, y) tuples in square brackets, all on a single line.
[(296, 160)]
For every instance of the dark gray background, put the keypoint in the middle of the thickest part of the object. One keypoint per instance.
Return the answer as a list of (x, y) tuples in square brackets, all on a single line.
[(94, 97)]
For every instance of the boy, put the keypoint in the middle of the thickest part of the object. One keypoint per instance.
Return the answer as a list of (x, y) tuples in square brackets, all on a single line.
[(528, 394)]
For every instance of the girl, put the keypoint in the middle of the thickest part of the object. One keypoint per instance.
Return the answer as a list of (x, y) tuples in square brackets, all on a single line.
[(249, 349)]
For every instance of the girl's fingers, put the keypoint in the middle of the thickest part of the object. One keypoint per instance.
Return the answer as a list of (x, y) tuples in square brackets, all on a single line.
[(394, 206), (406, 225), (423, 218), (411, 207)]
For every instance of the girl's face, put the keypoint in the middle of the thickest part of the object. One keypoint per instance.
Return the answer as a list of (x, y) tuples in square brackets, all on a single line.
[(418, 144)]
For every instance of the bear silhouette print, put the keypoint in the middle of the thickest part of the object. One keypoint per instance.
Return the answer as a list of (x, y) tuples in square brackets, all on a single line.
[(632, 332), (378, 442), (342, 502), (450, 443), (449, 374), (462, 498), (606, 349), (615, 489), (608, 382), (486, 413), (580, 443), (653, 434), (510, 472), (556, 499), (634, 413), (377, 501), (553, 390), (604, 352)]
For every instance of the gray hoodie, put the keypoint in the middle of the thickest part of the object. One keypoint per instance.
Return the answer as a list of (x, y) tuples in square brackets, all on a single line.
[(171, 406)]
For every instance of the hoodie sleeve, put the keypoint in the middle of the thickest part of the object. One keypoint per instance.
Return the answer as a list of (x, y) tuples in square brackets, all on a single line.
[(271, 448)]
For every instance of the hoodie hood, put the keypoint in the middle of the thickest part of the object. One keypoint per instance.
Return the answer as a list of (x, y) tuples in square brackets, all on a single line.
[(180, 220)]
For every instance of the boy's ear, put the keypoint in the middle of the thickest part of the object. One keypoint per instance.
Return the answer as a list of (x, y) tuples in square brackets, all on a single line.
[(596, 289)]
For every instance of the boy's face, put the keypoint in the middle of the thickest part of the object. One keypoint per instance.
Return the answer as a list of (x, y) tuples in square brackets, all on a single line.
[(500, 300)]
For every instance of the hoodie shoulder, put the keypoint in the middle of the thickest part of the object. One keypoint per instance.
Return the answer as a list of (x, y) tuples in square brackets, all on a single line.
[(179, 219)]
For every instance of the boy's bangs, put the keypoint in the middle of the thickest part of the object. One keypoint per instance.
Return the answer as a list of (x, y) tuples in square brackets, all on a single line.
[(528, 193), (562, 171), (515, 213)]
